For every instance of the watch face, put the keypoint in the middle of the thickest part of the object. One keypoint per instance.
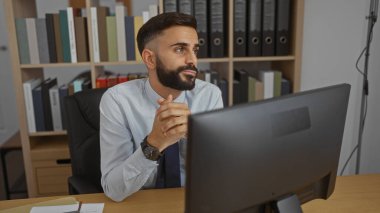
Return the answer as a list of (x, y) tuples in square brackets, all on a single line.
[(150, 152)]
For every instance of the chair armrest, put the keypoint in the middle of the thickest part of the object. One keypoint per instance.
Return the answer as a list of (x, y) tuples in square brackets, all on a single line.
[(78, 185)]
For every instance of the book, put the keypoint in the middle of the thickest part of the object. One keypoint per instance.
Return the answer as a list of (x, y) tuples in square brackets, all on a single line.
[(58, 39), (94, 32), (240, 28), (42, 39), (254, 42), (112, 45), (112, 80), (277, 83), (51, 37), (217, 33), (72, 40), (200, 14), (80, 24), (223, 86), (55, 108), (45, 87), (170, 6), (267, 77), (63, 92), (101, 81), (120, 32), (32, 40), (138, 23), (102, 13), (65, 37), (38, 108), (22, 41), (153, 10), (185, 6), (130, 37), (28, 86)]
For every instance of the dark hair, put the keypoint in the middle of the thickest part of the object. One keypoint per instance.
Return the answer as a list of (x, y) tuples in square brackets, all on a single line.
[(154, 26)]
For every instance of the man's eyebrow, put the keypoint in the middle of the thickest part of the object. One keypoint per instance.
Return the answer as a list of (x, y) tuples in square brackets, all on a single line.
[(183, 44), (180, 44)]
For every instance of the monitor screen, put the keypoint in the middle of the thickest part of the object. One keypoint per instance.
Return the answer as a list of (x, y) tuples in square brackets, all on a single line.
[(247, 157)]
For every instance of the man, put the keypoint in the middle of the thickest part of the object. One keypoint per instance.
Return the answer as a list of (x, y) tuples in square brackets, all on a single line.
[(143, 123)]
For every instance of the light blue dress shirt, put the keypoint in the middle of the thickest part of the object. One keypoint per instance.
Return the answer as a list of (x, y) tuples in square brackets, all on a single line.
[(127, 113)]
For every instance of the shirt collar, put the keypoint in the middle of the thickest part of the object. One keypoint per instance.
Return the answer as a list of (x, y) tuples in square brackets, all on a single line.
[(153, 96)]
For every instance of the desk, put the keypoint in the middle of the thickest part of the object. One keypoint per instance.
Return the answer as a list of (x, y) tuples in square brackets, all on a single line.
[(352, 194)]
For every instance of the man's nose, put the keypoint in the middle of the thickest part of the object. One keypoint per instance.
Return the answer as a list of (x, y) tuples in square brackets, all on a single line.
[(191, 58)]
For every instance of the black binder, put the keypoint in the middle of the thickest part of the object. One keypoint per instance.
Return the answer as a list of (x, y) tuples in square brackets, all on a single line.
[(254, 27), (269, 11), (282, 27), (51, 37), (200, 14), (170, 6), (217, 28), (223, 86), (185, 6), (240, 32), (45, 86), (242, 77)]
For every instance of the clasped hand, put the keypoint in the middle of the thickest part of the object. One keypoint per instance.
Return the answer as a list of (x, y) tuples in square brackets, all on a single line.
[(170, 123)]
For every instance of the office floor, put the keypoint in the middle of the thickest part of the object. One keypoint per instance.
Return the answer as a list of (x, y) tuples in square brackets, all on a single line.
[(16, 179)]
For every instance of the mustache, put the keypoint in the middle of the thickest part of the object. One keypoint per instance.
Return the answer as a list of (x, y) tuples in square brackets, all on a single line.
[(187, 67)]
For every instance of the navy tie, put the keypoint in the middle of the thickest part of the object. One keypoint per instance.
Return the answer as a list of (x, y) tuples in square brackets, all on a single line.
[(168, 174)]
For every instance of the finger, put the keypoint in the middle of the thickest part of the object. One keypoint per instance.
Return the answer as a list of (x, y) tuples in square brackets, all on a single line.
[(178, 131), (160, 100), (172, 105), (167, 100), (172, 122), (168, 114)]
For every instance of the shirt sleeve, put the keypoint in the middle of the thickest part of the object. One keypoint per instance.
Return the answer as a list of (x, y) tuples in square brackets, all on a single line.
[(124, 171), (217, 99)]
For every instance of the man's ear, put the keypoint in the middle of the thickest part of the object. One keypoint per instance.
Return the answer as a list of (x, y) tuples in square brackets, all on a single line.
[(149, 58)]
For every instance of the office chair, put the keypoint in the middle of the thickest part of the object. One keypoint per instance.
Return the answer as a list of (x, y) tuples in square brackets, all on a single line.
[(82, 116)]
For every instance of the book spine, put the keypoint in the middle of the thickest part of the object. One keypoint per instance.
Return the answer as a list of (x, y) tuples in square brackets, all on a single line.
[(138, 23), (120, 33), (111, 38), (65, 38), (32, 40), (22, 41), (55, 108), (42, 38), (71, 28), (94, 32)]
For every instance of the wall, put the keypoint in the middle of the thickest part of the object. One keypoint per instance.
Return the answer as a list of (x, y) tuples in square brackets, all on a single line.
[(334, 36), (8, 110)]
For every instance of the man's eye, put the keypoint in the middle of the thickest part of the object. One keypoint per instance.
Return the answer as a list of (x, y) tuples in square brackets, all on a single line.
[(196, 51), (179, 49)]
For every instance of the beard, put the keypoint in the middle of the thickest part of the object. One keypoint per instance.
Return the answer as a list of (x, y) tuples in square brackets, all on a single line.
[(172, 78)]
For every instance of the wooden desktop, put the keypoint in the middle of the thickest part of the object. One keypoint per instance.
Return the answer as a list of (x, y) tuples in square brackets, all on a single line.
[(360, 193)]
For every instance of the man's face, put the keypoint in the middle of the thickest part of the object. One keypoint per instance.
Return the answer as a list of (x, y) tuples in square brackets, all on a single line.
[(176, 58)]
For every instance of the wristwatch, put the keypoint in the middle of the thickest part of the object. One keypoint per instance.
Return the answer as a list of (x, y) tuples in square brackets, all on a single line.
[(150, 152)]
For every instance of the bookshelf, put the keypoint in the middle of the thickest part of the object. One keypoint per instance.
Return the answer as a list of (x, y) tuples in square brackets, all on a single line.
[(46, 155)]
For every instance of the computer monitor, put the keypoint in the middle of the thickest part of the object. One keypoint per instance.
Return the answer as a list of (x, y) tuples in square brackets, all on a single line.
[(247, 157)]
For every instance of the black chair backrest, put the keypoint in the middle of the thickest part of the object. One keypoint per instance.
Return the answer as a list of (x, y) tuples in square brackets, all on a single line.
[(82, 109)]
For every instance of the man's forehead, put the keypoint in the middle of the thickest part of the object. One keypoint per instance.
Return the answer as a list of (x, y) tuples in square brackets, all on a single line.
[(179, 34)]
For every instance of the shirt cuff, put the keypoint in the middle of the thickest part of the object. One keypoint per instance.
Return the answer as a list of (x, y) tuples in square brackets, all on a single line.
[(140, 162)]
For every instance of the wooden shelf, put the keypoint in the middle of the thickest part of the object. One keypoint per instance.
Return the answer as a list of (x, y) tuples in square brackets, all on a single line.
[(47, 133), (54, 65), (269, 58)]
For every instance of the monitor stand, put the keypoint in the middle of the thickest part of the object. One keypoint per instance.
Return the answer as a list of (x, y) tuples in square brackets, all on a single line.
[(289, 204)]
